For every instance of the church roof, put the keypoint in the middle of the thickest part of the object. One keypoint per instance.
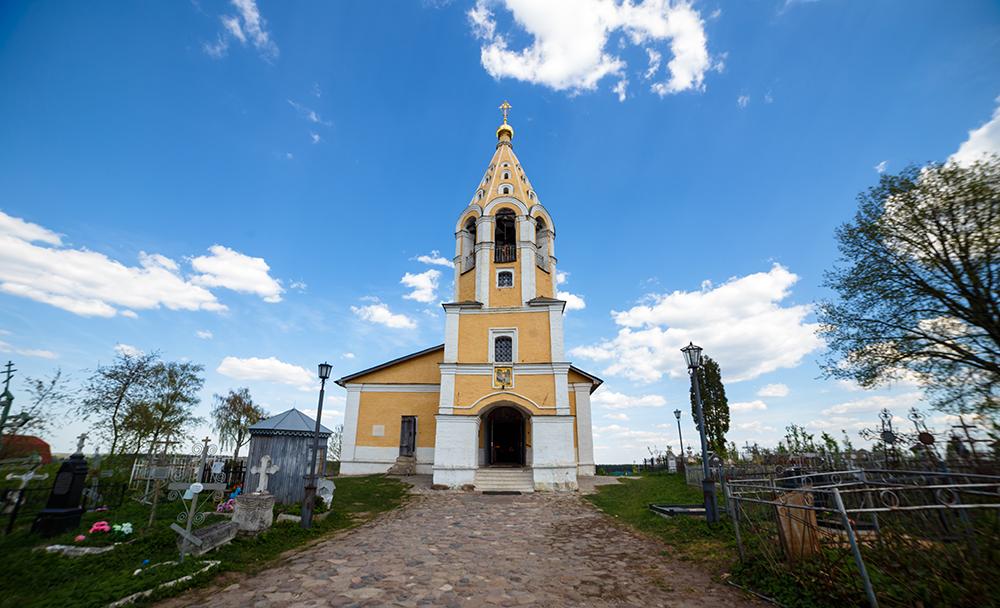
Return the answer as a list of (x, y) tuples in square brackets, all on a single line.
[(291, 422), (504, 170), (343, 381)]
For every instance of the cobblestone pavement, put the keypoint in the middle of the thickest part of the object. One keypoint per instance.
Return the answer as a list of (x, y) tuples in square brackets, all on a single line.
[(458, 549)]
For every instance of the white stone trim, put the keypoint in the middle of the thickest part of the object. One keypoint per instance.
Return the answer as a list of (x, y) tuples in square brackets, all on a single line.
[(584, 429), (509, 200), (495, 393), (351, 407), (492, 311), (497, 332), (371, 460), (512, 285), (456, 451), (486, 369), (446, 400), (562, 393), (553, 464)]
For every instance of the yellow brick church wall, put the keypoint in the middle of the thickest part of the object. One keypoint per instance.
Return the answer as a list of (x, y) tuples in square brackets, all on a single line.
[(540, 389), (532, 336), (419, 370), (388, 409)]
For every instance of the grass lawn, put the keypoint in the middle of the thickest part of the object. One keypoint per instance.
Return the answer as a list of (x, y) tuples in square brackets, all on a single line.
[(691, 538), (36, 579)]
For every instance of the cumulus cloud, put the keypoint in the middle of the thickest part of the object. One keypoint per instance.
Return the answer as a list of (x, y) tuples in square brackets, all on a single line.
[(875, 403), (773, 390), (611, 400), (204, 334), (435, 259), (741, 323), (380, 314), (573, 301), (619, 416), (270, 369), (982, 140), (747, 406), (755, 426), (424, 285), (128, 350), (568, 48), (743, 101), (881, 167), (246, 26), (234, 270), (35, 264)]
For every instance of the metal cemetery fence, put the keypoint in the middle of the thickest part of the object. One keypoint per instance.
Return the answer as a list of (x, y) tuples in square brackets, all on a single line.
[(881, 537), (20, 506)]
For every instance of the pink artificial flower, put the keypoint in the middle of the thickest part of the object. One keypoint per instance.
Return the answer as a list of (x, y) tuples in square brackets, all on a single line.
[(100, 526), (80, 538)]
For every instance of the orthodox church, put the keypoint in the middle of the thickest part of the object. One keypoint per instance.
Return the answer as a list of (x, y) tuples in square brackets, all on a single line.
[(497, 405)]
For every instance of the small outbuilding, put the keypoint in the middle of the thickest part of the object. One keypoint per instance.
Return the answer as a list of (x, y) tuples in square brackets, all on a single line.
[(287, 438)]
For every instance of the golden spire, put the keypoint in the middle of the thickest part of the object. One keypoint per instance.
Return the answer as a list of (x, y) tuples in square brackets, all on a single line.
[(505, 129)]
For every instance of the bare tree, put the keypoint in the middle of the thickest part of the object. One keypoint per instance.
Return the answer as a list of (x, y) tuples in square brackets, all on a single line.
[(918, 286), (44, 396), (233, 415), (335, 444)]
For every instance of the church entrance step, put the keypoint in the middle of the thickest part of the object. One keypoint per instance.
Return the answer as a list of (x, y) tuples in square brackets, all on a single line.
[(405, 465), (490, 480)]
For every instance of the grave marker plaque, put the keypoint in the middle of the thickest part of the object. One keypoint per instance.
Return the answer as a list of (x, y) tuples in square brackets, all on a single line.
[(63, 510)]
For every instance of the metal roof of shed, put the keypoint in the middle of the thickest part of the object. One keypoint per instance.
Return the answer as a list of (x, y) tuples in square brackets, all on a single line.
[(292, 422)]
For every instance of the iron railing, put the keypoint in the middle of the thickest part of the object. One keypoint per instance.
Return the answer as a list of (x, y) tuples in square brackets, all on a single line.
[(505, 253)]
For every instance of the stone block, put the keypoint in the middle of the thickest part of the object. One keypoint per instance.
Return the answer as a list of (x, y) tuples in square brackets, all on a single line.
[(253, 513), (211, 537)]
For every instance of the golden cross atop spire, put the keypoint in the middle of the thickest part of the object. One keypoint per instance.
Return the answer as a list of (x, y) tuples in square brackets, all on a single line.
[(505, 107)]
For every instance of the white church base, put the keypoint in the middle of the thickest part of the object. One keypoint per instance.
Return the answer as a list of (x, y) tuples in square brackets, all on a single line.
[(456, 454), (371, 460), (554, 456)]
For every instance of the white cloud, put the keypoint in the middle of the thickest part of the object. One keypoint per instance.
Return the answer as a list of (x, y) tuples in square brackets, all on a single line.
[(756, 426), (569, 42), (128, 350), (654, 62), (298, 285), (348, 355), (618, 401), (561, 277), (620, 416), (743, 101), (234, 270), (741, 324), (880, 168), (875, 403), (27, 352), (35, 265), (246, 26), (204, 334), (573, 301), (747, 406), (309, 114), (315, 137), (270, 369), (435, 259), (424, 285), (982, 140), (620, 89), (129, 314), (379, 313), (773, 390)]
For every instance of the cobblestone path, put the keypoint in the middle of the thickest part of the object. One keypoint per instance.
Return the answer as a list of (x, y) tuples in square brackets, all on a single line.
[(457, 549)]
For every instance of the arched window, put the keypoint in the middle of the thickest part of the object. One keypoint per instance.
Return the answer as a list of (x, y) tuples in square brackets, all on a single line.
[(505, 278), (469, 245), (505, 237), (504, 189), (503, 349), (479, 195), (506, 175)]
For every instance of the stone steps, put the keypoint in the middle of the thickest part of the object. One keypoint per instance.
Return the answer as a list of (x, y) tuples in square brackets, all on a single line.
[(504, 480)]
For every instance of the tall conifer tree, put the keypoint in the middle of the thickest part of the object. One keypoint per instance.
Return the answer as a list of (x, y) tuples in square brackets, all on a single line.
[(713, 399)]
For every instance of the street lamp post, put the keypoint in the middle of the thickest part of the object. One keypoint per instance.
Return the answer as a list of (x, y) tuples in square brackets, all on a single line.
[(307, 502), (677, 415), (692, 355)]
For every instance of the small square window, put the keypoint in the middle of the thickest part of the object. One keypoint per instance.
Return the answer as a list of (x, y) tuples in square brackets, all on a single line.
[(503, 349), (505, 278)]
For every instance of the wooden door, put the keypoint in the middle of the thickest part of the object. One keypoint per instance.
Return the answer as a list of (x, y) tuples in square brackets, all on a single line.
[(408, 436)]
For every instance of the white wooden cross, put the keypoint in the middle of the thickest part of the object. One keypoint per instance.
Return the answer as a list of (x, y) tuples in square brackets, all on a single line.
[(79, 442), (264, 470), (27, 477)]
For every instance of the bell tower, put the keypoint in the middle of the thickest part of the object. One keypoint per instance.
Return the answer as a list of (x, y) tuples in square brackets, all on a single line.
[(508, 396)]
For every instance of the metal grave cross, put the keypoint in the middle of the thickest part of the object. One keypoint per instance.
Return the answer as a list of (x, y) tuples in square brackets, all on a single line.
[(264, 469), (191, 492), (81, 438), (15, 497)]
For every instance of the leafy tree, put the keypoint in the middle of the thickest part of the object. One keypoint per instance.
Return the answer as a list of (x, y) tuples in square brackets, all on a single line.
[(918, 285), (715, 405), (168, 409), (798, 440), (44, 396), (233, 415), (336, 443), (115, 389)]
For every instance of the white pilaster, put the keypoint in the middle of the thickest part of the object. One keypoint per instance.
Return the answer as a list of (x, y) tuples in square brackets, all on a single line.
[(561, 375), (456, 451), (526, 251), (553, 462), (451, 334), (584, 430), (350, 438), (556, 332), (446, 397)]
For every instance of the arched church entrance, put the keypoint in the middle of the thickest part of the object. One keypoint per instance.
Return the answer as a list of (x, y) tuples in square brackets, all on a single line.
[(505, 437)]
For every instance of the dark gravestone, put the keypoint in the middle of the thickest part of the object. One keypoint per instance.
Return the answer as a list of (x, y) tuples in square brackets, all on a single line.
[(63, 511)]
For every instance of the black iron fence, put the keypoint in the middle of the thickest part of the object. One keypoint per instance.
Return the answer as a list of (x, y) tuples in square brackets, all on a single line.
[(20, 506)]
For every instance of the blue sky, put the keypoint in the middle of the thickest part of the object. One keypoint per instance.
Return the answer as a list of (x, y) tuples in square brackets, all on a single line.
[(246, 184)]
